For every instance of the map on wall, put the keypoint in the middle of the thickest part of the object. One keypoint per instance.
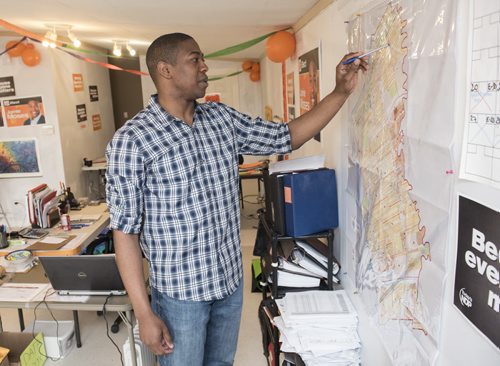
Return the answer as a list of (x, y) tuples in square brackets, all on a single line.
[(481, 144), (398, 161)]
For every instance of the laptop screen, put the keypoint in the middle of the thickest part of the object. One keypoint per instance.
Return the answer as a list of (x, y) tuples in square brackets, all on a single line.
[(84, 274)]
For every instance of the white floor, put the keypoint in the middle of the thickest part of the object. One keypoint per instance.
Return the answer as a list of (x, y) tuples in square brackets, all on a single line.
[(97, 349)]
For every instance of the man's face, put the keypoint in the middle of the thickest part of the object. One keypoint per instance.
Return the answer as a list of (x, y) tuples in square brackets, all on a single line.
[(34, 109), (190, 71)]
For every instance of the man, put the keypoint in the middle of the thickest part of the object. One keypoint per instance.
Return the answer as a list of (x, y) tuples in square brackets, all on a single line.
[(36, 118), (172, 191)]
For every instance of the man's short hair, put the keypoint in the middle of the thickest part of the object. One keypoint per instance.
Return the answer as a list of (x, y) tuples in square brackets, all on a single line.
[(164, 48)]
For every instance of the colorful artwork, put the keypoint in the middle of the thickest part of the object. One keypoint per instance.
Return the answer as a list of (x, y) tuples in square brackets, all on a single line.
[(19, 158)]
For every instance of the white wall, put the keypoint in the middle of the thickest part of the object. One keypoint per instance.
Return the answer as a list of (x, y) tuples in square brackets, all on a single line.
[(32, 81), (62, 142), (460, 343), (79, 140)]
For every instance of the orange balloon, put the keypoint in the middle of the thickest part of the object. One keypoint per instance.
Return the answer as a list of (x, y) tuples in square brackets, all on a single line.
[(16, 51), (255, 75), (247, 65), (31, 57), (256, 67), (280, 46)]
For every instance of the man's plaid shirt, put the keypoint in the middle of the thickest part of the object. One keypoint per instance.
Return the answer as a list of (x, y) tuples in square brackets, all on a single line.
[(177, 186)]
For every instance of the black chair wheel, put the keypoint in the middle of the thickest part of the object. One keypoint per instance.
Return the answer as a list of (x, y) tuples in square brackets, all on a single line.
[(115, 328)]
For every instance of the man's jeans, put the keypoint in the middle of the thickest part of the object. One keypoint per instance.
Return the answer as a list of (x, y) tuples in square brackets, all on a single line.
[(204, 332)]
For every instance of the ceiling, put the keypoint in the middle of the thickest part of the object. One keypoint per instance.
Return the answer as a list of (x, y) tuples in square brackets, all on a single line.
[(215, 24)]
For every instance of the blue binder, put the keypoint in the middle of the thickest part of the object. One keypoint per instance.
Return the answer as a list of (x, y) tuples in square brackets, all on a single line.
[(310, 202)]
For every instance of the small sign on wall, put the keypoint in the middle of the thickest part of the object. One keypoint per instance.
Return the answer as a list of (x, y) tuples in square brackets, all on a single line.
[(96, 122), (81, 112), (93, 93), (476, 292), (24, 111), (77, 82), (7, 88)]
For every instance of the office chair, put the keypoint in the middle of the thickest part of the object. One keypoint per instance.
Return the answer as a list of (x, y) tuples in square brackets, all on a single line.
[(103, 244)]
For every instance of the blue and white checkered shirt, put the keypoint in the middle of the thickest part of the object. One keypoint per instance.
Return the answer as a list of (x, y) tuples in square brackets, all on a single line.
[(177, 186)]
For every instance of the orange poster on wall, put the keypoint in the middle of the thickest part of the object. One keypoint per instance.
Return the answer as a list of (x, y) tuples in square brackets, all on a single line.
[(290, 89), (96, 122), (77, 82), (24, 111), (213, 97), (309, 82)]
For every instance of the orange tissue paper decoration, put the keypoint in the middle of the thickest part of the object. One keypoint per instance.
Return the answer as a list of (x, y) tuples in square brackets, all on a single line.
[(16, 51), (30, 56), (280, 46), (247, 65), (255, 75)]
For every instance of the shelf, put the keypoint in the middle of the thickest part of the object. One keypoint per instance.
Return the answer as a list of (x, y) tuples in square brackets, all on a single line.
[(271, 260)]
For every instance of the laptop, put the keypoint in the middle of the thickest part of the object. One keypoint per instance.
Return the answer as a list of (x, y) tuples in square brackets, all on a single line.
[(84, 274)]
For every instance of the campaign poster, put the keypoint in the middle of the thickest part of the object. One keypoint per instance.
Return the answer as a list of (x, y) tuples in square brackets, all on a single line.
[(24, 111), (7, 87), (96, 122), (309, 77), (93, 93), (476, 290), (77, 82), (81, 113)]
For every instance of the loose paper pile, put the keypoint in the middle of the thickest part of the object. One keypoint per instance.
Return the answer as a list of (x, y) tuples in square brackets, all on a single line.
[(320, 326)]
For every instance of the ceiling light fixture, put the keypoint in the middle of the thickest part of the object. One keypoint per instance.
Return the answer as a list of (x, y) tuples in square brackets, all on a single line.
[(130, 50), (72, 37), (117, 49), (46, 38), (50, 39)]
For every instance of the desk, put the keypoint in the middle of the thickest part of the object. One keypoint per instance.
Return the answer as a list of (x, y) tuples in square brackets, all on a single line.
[(120, 304), (256, 174), (84, 236)]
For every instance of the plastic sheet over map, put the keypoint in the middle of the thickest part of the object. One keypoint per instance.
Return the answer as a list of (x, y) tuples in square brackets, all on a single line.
[(399, 165)]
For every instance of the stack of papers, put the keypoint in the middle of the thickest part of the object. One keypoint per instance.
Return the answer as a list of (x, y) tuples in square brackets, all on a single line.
[(292, 165), (321, 326), (81, 218)]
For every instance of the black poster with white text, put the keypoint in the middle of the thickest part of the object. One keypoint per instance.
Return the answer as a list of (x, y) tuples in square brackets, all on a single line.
[(476, 292)]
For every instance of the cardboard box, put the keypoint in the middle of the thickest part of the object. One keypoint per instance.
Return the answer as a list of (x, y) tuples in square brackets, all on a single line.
[(59, 336), (23, 349), (4, 358)]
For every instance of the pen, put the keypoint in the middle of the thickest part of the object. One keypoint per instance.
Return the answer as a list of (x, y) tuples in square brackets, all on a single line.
[(352, 59), (79, 226), (266, 310)]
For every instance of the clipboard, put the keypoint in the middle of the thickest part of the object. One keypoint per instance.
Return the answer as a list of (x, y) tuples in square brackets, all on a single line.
[(41, 245)]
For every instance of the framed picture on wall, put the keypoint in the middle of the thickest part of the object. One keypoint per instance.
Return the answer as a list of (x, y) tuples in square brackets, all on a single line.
[(26, 111), (309, 82), (19, 158)]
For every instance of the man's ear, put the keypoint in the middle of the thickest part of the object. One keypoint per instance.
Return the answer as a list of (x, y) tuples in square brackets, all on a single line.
[(163, 69)]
